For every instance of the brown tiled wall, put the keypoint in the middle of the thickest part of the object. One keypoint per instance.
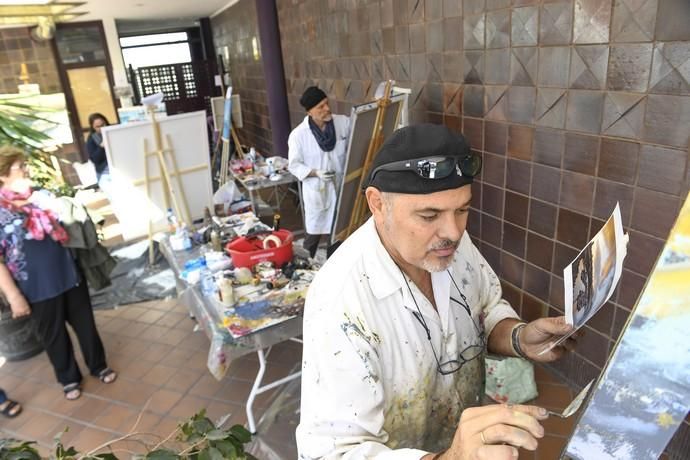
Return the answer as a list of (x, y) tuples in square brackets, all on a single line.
[(17, 47), (573, 104), (237, 28)]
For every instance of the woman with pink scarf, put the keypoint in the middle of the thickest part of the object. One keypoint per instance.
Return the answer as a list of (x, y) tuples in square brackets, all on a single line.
[(39, 277)]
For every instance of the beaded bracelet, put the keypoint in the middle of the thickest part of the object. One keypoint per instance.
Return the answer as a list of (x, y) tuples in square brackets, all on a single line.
[(515, 340)]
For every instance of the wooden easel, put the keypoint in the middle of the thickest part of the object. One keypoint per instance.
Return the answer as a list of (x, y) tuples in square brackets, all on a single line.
[(168, 191), (359, 210)]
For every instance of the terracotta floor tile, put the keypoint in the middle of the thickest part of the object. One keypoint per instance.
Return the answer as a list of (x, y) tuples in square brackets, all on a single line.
[(116, 417), (176, 357), (132, 312), (217, 410), (154, 352), (135, 369), (195, 341), (243, 369), (153, 333), (113, 326), (166, 426), (90, 438), (170, 319), (163, 400), (207, 386), (42, 426), (151, 316), (172, 337), (237, 391), (90, 410), (158, 375), (550, 448), (147, 423), (189, 405), (135, 329), (183, 380), (127, 392), (186, 324)]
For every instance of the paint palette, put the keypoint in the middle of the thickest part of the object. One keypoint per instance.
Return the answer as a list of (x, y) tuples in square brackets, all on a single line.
[(574, 406)]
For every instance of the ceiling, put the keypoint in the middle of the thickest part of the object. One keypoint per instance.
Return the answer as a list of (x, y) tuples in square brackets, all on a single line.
[(150, 9)]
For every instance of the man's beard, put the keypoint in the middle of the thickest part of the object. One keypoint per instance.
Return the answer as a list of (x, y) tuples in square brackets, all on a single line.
[(442, 264)]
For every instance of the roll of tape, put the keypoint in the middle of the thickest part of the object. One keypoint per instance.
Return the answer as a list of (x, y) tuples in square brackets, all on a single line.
[(274, 239)]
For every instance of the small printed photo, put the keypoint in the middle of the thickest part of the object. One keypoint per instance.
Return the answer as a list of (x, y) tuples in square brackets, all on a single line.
[(590, 279)]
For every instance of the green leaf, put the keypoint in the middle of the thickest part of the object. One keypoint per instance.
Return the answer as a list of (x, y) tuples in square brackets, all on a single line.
[(29, 454), (226, 448), (106, 456), (216, 435), (205, 454), (203, 425), (162, 454), (241, 433)]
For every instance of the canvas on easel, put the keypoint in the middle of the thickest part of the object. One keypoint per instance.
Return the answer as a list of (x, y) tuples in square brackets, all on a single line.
[(643, 395), (183, 136), (362, 122)]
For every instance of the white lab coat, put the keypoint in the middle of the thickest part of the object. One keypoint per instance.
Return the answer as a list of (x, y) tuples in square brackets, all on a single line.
[(304, 155), (370, 388)]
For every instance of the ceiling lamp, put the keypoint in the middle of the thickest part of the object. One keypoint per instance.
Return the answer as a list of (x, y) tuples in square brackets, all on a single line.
[(40, 13)]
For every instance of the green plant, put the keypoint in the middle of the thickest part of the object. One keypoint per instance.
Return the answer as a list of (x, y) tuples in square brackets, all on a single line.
[(196, 439), (16, 128)]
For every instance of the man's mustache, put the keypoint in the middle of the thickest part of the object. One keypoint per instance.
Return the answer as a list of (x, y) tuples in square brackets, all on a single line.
[(444, 244)]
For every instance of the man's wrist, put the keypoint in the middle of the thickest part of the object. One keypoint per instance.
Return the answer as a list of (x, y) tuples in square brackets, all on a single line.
[(515, 340)]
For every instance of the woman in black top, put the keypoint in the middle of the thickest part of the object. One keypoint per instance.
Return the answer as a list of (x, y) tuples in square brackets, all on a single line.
[(94, 144)]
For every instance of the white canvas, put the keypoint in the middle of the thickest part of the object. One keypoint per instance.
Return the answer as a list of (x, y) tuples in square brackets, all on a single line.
[(124, 146)]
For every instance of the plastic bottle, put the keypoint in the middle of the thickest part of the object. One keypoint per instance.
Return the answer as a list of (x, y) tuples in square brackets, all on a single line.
[(209, 288), (215, 241), (172, 221)]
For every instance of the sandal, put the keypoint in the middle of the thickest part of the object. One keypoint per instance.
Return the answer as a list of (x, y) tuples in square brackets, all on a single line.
[(72, 391), (107, 375), (10, 409)]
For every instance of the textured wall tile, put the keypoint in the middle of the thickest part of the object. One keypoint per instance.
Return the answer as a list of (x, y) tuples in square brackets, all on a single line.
[(417, 37), (623, 115), (542, 218), (550, 109), (577, 192), (524, 26), (514, 239), (498, 29), (662, 169), (496, 102), (516, 207), (434, 97), (667, 120), (629, 67), (556, 23), (452, 8), (473, 101), (492, 200), (537, 282), (539, 251), (452, 67), (521, 101), (633, 20), (584, 111), (452, 34), (546, 183), (671, 69), (473, 32), (654, 212), (473, 67), (495, 137), (472, 6), (434, 67), (572, 228), (512, 269), (588, 65), (672, 19), (562, 256), (591, 22), (642, 252), (608, 194), (553, 66), (548, 146), (581, 153), (492, 231), (618, 160), (518, 175), (415, 11), (496, 4), (433, 9), (520, 142), (434, 36), (523, 66), (402, 39), (497, 69)]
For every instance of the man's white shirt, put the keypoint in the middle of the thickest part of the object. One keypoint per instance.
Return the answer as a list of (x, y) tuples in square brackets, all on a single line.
[(370, 385)]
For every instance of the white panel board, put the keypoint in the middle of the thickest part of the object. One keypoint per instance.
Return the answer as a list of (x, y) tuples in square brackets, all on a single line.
[(124, 146)]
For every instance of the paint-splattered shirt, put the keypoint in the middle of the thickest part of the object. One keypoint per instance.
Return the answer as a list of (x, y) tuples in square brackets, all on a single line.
[(370, 386)]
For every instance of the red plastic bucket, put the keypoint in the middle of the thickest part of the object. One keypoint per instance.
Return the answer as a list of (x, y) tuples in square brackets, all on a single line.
[(247, 252)]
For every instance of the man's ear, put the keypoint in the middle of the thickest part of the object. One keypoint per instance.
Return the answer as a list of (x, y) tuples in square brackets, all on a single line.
[(374, 200)]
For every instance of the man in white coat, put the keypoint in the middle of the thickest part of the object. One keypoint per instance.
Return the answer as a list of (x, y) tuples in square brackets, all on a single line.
[(316, 155), (398, 320)]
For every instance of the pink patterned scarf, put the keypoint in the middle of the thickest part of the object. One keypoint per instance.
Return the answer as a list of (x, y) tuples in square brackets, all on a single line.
[(38, 221)]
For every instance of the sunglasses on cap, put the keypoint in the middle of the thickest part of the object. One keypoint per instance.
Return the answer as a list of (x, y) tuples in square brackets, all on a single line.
[(436, 167)]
